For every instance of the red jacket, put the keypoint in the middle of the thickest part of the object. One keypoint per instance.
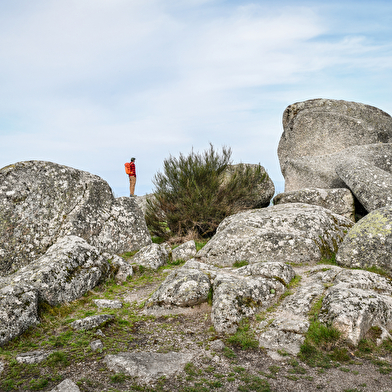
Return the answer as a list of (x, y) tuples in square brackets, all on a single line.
[(133, 170)]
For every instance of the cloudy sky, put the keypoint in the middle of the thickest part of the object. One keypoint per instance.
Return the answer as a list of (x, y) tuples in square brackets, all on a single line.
[(90, 83)]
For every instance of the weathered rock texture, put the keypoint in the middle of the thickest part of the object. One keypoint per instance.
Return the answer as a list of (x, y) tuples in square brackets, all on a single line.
[(64, 273), (151, 256), (340, 201), (371, 185), (148, 366), (43, 201), (18, 310), (326, 126), (91, 322), (293, 233), (369, 242), (320, 171), (235, 293), (265, 188)]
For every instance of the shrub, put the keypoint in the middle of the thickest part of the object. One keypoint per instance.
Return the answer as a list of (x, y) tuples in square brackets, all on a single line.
[(193, 195)]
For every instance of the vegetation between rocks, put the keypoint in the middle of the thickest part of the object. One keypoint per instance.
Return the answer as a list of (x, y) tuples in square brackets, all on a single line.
[(193, 195)]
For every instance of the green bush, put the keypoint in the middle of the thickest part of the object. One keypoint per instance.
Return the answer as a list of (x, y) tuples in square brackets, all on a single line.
[(193, 194)]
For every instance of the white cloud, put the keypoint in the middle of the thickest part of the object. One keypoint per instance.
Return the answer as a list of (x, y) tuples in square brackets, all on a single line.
[(87, 83)]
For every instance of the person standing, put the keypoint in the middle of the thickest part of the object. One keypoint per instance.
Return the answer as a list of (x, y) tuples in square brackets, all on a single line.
[(130, 169)]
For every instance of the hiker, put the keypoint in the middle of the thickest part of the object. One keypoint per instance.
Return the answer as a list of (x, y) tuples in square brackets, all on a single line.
[(131, 171)]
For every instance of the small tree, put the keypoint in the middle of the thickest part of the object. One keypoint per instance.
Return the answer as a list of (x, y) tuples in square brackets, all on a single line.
[(193, 194)]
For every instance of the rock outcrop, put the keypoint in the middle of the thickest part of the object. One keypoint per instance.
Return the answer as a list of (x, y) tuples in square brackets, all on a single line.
[(340, 200), (294, 233), (235, 293), (41, 202), (369, 243), (371, 185), (326, 126)]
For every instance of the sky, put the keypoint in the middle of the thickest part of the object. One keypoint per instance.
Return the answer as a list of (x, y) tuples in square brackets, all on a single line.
[(91, 83)]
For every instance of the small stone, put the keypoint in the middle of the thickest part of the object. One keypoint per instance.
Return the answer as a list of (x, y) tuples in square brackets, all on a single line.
[(91, 322), (96, 345), (32, 357), (107, 303), (217, 345), (1, 367), (100, 333), (66, 386)]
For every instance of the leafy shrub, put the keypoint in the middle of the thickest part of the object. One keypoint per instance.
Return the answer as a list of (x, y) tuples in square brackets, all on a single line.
[(193, 195)]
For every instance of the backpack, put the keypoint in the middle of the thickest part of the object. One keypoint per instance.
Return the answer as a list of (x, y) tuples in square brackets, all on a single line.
[(127, 168)]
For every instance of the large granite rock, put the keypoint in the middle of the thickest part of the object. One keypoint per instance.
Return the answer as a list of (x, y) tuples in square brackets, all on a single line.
[(293, 233), (371, 185), (264, 191), (43, 201), (326, 126), (340, 200), (369, 242), (320, 171)]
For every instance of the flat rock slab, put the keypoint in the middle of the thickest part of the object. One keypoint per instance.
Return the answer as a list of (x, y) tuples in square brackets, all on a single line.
[(32, 357), (66, 386), (108, 303), (340, 200), (369, 242), (294, 233), (91, 322), (43, 201), (320, 171), (146, 365), (1, 367), (371, 185)]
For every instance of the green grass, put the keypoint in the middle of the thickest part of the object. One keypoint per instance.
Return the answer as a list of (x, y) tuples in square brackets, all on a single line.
[(244, 337), (240, 263)]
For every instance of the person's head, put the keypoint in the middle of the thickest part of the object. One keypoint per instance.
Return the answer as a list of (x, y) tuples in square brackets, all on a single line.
[(133, 159)]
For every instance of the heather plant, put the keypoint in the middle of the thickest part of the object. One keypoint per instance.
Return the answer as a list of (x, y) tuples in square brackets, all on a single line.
[(193, 194)]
